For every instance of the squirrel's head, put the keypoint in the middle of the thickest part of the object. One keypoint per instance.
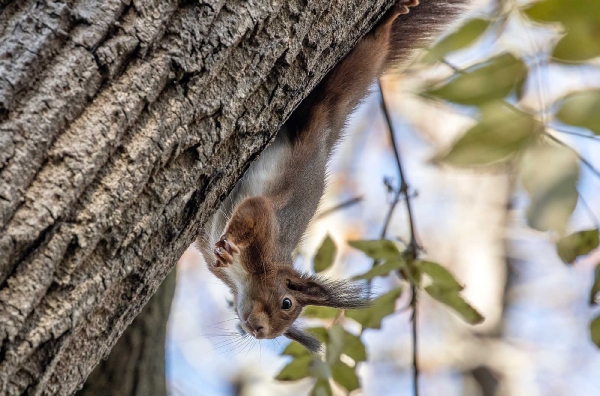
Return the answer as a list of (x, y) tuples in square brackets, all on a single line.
[(268, 303)]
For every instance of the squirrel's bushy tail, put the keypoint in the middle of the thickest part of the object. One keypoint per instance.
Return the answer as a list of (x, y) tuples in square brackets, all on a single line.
[(423, 24)]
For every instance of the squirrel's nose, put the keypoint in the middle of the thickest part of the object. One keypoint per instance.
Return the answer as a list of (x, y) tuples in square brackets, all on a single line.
[(257, 331), (256, 328)]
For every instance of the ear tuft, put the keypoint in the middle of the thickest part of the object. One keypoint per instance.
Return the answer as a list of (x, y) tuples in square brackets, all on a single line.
[(336, 293), (304, 338)]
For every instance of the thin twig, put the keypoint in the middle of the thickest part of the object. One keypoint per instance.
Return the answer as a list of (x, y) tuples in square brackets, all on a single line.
[(414, 290), (343, 205), (404, 190), (589, 210), (578, 134), (579, 156), (413, 246)]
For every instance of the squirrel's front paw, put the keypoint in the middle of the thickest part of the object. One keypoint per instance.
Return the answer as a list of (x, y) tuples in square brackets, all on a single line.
[(225, 251), (402, 6)]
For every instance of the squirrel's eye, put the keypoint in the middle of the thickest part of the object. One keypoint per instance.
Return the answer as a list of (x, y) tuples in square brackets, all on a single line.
[(286, 304)]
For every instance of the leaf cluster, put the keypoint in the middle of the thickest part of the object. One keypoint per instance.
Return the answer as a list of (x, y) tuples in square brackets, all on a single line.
[(508, 135)]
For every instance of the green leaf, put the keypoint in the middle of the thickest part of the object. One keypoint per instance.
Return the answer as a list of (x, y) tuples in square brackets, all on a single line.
[(335, 346), (319, 369), (452, 299), (439, 275), (479, 85), (345, 376), (320, 333), (383, 269), (355, 348), (595, 286), (577, 244), (461, 38), (565, 11), (581, 19), (595, 331), (413, 274), (295, 349), (381, 307), (296, 369), (580, 43), (582, 109), (502, 132), (313, 311), (378, 249), (549, 173), (321, 388), (325, 255)]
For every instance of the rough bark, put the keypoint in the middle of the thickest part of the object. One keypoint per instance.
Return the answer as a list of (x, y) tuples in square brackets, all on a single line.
[(123, 125), (136, 364)]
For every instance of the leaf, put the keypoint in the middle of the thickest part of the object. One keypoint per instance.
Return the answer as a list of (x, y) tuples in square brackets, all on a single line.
[(320, 333), (313, 311), (581, 109), (452, 299), (502, 132), (335, 346), (296, 369), (461, 38), (580, 43), (439, 275), (565, 11), (479, 85), (295, 349), (355, 348), (381, 307), (383, 269), (378, 249), (549, 173), (595, 286), (345, 376), (581, 19), (413, 274), (568, 12), (321, 388), (319, 369), (595, 331), (577, 244), (325, 255)]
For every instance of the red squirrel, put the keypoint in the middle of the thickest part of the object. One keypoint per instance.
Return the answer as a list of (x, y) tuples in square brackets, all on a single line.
[(272, 205)]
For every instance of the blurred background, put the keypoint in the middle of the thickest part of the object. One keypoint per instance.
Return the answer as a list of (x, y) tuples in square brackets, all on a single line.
[(535, 339)]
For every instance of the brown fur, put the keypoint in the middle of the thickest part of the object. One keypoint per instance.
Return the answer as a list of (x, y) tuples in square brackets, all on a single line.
[(253, 254)]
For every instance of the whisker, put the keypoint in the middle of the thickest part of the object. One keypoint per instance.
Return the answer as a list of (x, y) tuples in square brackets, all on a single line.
[(194, 337), (216, 327), (226, 320), (246, 343), (226, 343), (250, 346)]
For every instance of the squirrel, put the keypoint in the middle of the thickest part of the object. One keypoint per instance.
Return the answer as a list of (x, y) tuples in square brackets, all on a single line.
[(272, 205)]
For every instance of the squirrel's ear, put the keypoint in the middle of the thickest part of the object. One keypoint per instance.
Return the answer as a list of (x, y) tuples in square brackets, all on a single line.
[(304, 338), (316, 290)]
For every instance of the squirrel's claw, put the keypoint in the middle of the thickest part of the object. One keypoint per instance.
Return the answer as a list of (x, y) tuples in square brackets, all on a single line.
[(225, 251), (402, 7)]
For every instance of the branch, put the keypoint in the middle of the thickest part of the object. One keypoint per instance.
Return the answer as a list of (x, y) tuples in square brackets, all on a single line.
[(562, 130), (413, 246), (340, 206), (579, 156)]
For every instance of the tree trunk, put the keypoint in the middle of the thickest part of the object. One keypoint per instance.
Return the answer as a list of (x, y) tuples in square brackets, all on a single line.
[(136, 364), (123, 125)]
